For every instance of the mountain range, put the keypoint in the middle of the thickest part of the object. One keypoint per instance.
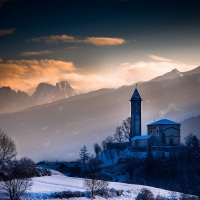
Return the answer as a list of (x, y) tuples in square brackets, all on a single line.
[(59, 129), (12, 101), (175, 74)]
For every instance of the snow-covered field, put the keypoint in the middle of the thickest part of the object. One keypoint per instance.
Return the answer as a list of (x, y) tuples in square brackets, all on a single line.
[(44, 186)]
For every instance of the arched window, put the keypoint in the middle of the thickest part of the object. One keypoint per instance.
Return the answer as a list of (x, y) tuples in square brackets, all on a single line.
[(151, 131)]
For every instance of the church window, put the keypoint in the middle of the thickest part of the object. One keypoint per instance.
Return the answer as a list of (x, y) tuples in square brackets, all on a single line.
[(151, 131), (157, 131)]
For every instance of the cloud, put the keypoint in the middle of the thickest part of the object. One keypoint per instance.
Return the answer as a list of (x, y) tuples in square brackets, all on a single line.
[(143, 71), (36, 53), (27, 74), (7, 31), (157, 58), (98, 41), (171, 107), (55, 39)]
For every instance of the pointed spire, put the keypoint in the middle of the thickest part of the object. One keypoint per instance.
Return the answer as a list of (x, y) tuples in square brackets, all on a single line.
[(136, 95)]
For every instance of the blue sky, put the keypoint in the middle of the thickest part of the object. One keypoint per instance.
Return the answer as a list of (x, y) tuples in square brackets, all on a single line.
[(95, 43)]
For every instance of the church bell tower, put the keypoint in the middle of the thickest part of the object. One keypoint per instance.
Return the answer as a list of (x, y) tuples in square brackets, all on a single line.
[(136, 113)]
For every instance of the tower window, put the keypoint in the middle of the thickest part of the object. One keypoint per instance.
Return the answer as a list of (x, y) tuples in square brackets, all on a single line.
[(157, 131), (151, 131)]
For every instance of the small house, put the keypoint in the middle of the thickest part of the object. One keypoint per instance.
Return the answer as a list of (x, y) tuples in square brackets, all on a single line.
[(141, 142)]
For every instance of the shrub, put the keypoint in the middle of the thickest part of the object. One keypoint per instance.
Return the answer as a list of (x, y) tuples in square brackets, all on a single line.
[(145, 194)]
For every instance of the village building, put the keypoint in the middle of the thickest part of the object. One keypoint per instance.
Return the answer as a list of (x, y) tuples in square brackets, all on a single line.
[(71, 167), (142, 142), (164, 132), (160, 133)]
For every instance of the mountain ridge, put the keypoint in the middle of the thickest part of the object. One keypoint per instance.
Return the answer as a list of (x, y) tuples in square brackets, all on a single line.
[(61, 91), (12, 101), (175, 73)]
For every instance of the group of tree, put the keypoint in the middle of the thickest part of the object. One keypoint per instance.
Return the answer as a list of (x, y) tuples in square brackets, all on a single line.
[(180, 166), (15, 173), (123, 132), (178, 169)]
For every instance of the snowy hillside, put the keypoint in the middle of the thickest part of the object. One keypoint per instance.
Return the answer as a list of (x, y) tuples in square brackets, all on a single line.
[(44, 186)]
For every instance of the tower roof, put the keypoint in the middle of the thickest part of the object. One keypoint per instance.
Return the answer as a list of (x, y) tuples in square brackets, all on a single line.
[(136, 95)]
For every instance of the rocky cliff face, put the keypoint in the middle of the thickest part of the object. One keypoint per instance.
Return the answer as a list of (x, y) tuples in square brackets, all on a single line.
[(12, 101), (46, 93)]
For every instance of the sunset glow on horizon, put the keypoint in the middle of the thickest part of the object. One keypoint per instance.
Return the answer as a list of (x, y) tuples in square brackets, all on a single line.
[(95, 44)]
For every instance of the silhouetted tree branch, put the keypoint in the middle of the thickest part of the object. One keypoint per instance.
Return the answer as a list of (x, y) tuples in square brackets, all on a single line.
[(7, 147)]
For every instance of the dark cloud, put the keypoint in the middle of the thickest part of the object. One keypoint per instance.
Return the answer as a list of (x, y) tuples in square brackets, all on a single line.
[(7, 31), (45, 52)]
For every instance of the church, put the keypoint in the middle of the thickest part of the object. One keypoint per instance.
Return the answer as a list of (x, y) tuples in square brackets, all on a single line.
[(163, 132)]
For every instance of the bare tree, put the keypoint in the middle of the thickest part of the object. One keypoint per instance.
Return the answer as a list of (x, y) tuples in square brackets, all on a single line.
[(16, 188), (25, 168), (7, 147), (97, 149), (94, 180), (15, 179), (126, 128), (118, 136), (109, 139)]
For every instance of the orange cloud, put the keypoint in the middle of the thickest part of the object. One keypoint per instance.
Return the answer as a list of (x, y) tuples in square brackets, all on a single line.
[(54, 39), (158, 58), (36, 53), (26, 74), (99, 41), (6, 31)]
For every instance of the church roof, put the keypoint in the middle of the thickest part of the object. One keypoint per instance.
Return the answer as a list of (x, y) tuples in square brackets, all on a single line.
[(164, 121), (170, 127), (136, 95), (142, 137)]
